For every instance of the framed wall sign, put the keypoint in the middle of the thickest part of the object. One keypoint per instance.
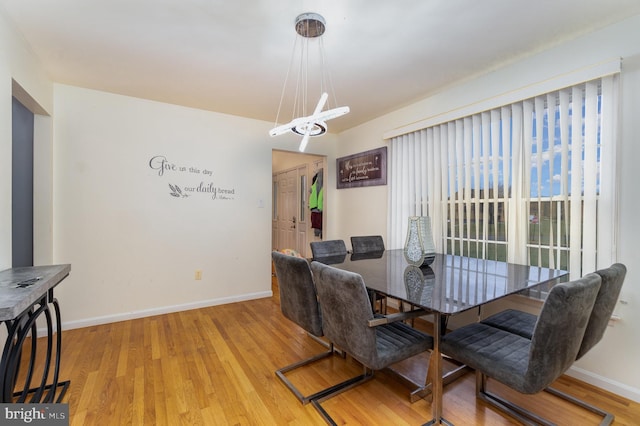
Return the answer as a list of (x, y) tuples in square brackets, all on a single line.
[(367, 168)]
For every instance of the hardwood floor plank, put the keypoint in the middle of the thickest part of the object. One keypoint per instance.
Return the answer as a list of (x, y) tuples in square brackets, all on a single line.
[(123, 354), (138, 397), (156, 347), (84, 401), (159, 396)]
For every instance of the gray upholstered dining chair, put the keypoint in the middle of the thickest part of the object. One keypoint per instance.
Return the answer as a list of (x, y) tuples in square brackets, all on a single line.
[(527, 365), (329, 252), (328, 248), (612, 280), (376, 341), (299, 304), (523, 323), (365, 247), (367, 244)]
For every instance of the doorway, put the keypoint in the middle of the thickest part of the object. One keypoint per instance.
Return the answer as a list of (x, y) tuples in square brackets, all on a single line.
[(291, 185), (32, 186), (22, 185)]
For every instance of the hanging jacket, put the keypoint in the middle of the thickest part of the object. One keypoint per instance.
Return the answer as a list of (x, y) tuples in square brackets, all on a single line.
[(316, 198)]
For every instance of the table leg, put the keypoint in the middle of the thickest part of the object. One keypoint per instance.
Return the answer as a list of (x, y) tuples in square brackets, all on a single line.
[(19, 330), (435, 371)]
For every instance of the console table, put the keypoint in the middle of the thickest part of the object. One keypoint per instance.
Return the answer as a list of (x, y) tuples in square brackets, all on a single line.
[(26, 294)]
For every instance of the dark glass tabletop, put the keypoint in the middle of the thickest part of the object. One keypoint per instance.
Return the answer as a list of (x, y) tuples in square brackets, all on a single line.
[(450, 284)]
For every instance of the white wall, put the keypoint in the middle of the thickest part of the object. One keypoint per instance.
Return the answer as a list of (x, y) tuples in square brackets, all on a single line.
[(5, 155), (363, 211), (285, 160), (18, 63), (613, 363), (134, 248)]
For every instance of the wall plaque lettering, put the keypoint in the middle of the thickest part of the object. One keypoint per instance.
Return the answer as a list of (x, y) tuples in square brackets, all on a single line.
[(367, 168)]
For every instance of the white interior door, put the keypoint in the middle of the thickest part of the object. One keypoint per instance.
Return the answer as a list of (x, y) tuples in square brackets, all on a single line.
[(286, 209)]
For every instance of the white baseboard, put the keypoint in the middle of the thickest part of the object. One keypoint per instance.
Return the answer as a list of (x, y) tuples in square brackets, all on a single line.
[(156, 311), (601, 382)]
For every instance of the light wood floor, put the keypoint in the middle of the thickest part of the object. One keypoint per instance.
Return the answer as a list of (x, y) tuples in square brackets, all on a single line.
[(215, 366)]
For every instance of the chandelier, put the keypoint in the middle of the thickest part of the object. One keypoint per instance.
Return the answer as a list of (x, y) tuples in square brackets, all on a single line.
[(309, 28)]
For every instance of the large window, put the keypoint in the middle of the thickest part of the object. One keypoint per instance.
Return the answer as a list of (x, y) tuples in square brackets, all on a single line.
[(530, 182)]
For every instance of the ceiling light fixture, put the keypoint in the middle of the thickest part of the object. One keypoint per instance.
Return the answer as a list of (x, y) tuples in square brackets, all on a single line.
[(310, 27)]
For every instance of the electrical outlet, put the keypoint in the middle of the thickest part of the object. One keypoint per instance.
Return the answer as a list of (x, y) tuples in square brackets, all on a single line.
[(198, 275)]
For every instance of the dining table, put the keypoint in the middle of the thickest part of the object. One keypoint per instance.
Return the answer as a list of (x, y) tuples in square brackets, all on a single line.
[(445, 285)]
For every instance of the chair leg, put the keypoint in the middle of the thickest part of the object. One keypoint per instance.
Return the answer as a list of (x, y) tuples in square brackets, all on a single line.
[(302, 398), (383, 305), (527, 417), (328, 345), (607, 416), (410, 321), (317, 401), (421, 391), (373, 297), (481, 383)]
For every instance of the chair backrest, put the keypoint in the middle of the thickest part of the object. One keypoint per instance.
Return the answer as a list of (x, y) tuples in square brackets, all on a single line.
[(328, 248), (367, 244), (346, 310), (363, 256), (298, 299), (559, 331), (612, 279)]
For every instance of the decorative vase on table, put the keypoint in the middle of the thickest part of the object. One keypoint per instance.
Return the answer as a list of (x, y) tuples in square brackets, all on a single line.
[(419, 248)]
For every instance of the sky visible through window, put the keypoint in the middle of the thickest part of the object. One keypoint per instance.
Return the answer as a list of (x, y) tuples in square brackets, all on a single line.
[(551, 184), (550, 148)]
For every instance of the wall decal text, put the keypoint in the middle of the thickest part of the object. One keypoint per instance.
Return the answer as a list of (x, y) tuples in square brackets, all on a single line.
[(165, 168)]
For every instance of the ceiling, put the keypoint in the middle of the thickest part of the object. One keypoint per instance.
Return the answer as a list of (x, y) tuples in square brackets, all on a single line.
[(233, 56)]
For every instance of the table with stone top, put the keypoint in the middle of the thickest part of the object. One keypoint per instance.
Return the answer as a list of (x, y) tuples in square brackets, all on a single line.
[(26, 295)]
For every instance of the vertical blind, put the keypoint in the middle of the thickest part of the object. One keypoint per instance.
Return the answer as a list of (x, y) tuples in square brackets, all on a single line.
[(530, 182)]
